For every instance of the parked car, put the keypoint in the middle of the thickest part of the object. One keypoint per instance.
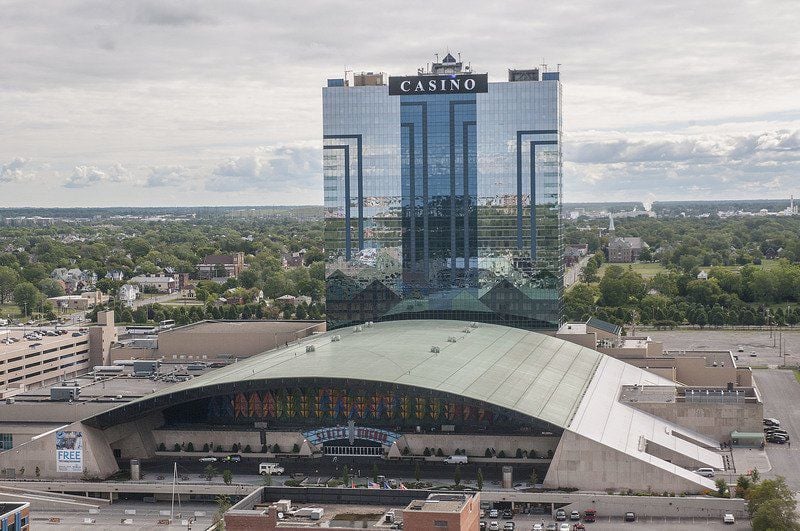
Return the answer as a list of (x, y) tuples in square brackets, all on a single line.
[(494, 526), (578, 527), (508, 526), (482, 526), (208, 459), (574, 516), (705, 472), (728, 519), (507, 515), (233, 458), (590, 515), (772, 422), (551, 526), (538, 527), (561, 515), (778, 439), (494, 513), (564, 527), (630, 516), (270, 469)]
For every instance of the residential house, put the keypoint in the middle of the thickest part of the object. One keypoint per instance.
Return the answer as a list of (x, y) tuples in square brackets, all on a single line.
[(157, 283), (75, 280), (116, 275), (574, 252), (128, 293), (625, 250), (702, 275), (295, 259), (221, 265)]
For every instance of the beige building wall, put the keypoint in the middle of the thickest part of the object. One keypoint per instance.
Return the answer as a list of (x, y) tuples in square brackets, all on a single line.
[(56, 358), (713, 420), (580, 462)]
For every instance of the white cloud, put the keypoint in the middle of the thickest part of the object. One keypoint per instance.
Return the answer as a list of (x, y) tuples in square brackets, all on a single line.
[(12, 171), (280, 169), (85, 176), (167, 176)]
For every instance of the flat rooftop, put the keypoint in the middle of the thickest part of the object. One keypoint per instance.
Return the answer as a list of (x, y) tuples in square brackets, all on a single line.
[(440, 503), (241, 327), (23, 346), (648, 394), (572, 328), (713, 358)]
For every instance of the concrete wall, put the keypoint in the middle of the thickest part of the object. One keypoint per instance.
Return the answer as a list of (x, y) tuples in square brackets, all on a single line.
[(582, 463), (713, 420), (98, 459), (476, 445), (100, 338), (286, 440), (135, 440)]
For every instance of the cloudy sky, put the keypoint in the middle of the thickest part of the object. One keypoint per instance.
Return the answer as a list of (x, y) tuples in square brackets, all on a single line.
[(162, 102)]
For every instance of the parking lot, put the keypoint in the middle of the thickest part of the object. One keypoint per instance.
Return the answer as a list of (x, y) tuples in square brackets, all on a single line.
[(766, 345), (781, 395)]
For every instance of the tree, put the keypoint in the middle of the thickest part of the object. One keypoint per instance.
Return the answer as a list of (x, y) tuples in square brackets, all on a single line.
[(480, 479), (771, 504), (416, 471), (51, 288), (248, 279), (27, 297), (534, 477), (776, 514), (223, 504), (374, 473), (227, 476), (346, 476), (743, 485), (457, 475), (620, 285), (8, 279), (722, 488), (210, 472)]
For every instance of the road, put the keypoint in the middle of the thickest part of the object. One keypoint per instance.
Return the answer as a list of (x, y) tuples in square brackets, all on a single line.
[(781, 395), (572, 274)]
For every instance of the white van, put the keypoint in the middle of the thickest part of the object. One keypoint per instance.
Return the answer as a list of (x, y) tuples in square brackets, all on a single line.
[(273, 469), (705, 472), (456, 459)]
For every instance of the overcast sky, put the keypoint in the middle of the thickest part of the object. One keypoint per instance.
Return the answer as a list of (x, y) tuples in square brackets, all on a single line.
[(216, 103)]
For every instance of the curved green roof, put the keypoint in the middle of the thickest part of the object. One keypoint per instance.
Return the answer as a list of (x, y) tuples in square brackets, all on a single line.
[(531, 373)]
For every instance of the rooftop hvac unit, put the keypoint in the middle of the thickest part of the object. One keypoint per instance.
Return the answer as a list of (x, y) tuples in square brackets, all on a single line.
[(452, 339), (435, 349), (357, 328), (466, 330), (337, 337), (473, 325), (369, 324), (310, 348)]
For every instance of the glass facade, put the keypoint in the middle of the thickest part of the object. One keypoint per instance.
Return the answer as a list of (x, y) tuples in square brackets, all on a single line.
[(444, 205)]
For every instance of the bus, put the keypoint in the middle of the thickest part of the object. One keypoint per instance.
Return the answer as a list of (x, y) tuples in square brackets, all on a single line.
[(166, 324)]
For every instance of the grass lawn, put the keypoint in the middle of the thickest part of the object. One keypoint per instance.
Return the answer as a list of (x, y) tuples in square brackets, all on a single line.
[(647, 270), (9, 309), (796, 375)]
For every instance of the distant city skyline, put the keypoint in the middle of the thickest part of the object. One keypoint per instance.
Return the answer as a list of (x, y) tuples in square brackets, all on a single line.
[(170, 103)]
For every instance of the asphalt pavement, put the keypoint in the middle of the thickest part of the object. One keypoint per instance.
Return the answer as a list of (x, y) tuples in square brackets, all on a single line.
[(769, 347), (780, 392)]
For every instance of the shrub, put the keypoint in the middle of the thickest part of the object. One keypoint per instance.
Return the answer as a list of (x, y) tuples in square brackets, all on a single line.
[(234, 447), (439, 453), (519, 453), (190, 447), (427, 452), (406, 451), (276, 449), (532, 454), (488, 452), (206, 447), (264, 448), (293, 482), (219, 448), (162, 447), (502, 454), (247, 449), (549, 454), (177, 448), (296, 448)]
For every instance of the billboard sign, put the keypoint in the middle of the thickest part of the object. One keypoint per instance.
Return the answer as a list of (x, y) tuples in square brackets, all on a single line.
[(447, 84), (69, 451)]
